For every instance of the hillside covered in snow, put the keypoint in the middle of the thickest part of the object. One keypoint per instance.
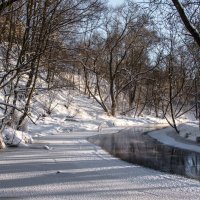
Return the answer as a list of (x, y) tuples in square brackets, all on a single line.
[(83, 65)]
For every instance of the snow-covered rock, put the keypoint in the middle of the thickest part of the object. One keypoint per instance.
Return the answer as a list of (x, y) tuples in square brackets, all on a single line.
[(16, 138)]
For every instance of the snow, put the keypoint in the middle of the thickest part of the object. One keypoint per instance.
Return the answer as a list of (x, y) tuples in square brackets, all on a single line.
[(190, 130), (168, 136), (16, 138), (76, 169), (61, 164), (76, 112)]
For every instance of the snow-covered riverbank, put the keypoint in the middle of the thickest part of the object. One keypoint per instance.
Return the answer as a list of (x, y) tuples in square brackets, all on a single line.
[(76, 169)]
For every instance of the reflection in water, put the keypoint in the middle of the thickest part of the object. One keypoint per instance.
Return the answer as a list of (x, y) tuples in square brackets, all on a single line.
[(136, 146), (192, 165)]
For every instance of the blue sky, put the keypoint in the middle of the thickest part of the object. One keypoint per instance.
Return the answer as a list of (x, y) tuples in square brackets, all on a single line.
[(116, 2)]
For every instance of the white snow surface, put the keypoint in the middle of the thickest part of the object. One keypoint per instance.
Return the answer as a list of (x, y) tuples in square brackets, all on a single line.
[(75, 112), (166, 136), (62, 164), (16, 138), (75, 169)]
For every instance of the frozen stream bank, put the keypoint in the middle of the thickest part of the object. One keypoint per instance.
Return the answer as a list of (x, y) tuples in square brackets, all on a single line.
[(75, 169)]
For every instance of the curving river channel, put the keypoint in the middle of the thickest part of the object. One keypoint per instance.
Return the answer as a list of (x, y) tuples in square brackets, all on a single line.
[(136, 146)]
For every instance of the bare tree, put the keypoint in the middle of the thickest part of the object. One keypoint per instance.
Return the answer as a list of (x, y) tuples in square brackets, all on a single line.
[(186, 11), (186, 21), (32, 31), (117, 55)]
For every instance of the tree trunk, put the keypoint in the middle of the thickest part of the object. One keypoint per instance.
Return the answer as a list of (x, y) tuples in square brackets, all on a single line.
[(131, 98), (2, 144), (113, 108), (193, 31)]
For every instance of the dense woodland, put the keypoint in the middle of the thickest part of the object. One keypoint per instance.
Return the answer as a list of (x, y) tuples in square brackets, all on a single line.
[(131, 59)]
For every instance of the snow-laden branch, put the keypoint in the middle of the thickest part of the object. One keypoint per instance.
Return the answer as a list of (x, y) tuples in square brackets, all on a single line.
[(15, 107), (10, 105)]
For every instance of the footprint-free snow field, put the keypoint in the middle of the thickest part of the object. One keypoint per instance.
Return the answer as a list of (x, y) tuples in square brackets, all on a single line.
[(72, 168)]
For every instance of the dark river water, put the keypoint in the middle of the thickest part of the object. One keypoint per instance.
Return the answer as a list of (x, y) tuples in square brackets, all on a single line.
[(136, 146)]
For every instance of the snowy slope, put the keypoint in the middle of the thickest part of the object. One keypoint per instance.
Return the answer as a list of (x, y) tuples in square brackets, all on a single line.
[(76, 112), (71, 111)]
